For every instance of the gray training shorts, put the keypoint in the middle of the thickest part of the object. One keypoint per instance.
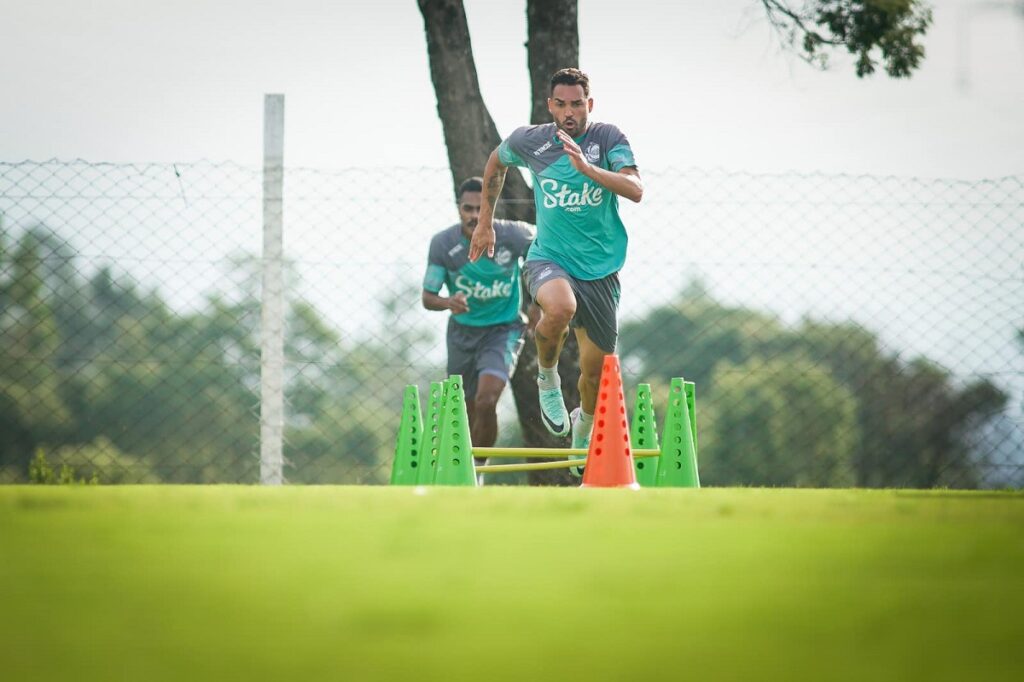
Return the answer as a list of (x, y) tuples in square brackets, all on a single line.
[(597, 301), (493, 350)]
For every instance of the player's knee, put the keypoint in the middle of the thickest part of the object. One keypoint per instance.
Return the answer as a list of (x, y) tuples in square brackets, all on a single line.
[(486, 402), (561, 312)]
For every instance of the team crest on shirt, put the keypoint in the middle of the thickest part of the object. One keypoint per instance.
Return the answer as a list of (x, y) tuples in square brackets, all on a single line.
[(593, 152), (502, 256)]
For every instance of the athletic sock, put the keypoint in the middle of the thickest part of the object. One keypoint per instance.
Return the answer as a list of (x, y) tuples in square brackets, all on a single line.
[(547, 377), (586, 420)]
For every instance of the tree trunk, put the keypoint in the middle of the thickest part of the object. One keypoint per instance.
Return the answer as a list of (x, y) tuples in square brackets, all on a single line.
[(469, 131), (470, 136), (553, 43)]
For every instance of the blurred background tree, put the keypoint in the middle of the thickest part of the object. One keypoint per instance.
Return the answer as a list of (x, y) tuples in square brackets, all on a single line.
[(818, 403)]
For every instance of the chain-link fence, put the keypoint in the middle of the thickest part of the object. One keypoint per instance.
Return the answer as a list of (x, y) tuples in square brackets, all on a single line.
[(841, 330)]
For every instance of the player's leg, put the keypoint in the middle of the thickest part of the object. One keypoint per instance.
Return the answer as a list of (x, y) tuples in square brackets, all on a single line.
[(582, 417), (462, 341), (553, 293), (485, 429), (596, 327), (496, 359), (591, 363), (558, 305)]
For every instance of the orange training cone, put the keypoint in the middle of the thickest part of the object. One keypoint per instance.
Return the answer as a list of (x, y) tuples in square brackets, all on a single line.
[(610, 459)]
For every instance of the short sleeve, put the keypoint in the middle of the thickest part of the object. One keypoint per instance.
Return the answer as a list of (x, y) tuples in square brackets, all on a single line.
[(523, 237), (508, 150), (620, 154), (434, 278)]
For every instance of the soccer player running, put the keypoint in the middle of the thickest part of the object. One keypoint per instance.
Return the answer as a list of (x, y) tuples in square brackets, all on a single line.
[(486, 327), (579, 169)]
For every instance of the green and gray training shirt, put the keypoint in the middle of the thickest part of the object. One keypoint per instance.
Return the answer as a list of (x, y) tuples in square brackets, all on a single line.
[(578, 224), (492, 286)]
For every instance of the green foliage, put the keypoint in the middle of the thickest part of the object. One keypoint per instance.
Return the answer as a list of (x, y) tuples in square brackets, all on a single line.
[(96, 369), (871, 30), (782, 422), (41, 473), (820, 403), (39, 470)]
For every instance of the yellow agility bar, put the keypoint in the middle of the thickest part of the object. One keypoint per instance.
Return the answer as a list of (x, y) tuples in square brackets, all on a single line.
[(528, 466), (546, 452), (539, 466)]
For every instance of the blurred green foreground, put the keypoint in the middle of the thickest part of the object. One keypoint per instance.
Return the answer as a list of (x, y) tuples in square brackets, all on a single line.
[(369, 583)]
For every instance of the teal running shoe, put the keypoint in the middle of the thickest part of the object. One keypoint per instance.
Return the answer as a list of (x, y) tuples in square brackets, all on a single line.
[(580, 440), (552, 411)]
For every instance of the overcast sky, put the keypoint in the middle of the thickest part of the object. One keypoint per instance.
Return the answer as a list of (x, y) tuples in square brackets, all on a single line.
[(692, 83)]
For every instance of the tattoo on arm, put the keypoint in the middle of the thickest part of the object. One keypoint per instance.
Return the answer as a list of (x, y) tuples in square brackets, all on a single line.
[(493, 189)]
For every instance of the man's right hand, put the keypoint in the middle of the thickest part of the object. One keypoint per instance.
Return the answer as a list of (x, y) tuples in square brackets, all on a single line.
[(483, 240), (458, 304)]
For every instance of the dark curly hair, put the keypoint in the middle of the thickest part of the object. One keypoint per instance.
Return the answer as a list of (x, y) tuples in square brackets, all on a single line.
[(571, 76), (475, 184)]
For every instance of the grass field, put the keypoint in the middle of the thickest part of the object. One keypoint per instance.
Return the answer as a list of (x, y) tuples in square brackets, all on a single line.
[(359, 583)]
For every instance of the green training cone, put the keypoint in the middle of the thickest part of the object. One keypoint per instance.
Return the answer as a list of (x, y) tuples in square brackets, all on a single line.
[(455, 454), (644, 436), (677, 465), (409, 450), (691, 405), (431, 434)]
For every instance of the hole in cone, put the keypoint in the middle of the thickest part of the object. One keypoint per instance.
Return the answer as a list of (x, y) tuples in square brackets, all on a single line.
[(455, 461), (600, 437), (600, 423), (597, 451)]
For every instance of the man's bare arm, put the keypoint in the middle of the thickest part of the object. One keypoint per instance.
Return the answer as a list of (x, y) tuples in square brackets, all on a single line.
[(457, 303), (626, 182), (483, 235)]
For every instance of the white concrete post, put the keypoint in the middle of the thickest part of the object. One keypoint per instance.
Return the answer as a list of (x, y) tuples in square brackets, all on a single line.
[(272, 299)]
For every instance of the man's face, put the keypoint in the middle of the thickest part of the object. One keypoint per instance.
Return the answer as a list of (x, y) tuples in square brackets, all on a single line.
[(469, 211), (569, 108)]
